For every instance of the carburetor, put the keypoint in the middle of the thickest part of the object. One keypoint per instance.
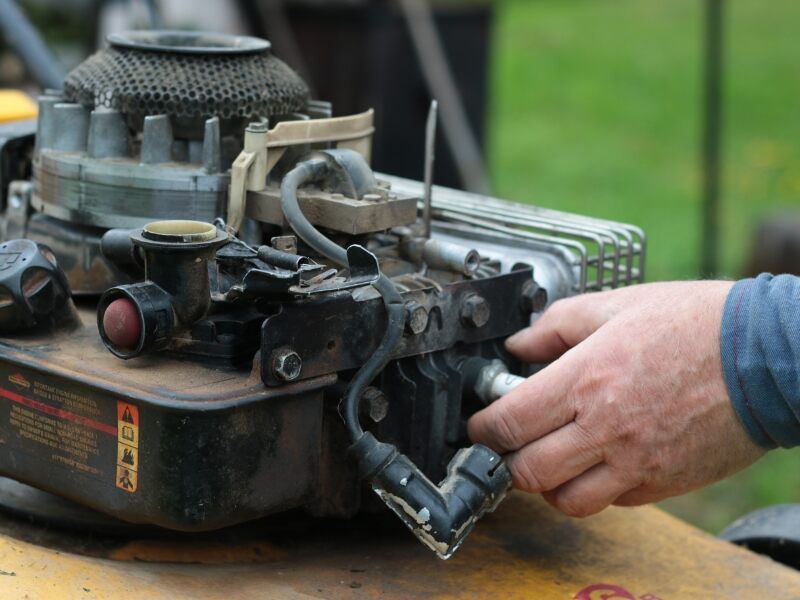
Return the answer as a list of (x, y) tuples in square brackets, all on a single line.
[(214, 310)]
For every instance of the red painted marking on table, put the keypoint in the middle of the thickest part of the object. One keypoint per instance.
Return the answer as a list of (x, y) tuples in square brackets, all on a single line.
[(610, 591), (604, 591)]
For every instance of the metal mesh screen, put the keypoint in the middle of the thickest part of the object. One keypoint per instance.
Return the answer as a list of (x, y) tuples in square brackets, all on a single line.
[(143, 82)]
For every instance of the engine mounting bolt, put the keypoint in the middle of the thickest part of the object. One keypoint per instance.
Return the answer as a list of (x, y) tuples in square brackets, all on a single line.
[(416, 318), (374, 404), (534, 297), (475, 311), (286, 364)]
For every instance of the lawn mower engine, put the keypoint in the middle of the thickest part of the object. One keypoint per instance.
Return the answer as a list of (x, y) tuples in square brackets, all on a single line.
[(213, 310)]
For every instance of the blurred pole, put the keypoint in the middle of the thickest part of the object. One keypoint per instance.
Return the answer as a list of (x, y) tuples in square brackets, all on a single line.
[(712, 134), (23, 38), (277, 28), (432, 61), (154, 15)]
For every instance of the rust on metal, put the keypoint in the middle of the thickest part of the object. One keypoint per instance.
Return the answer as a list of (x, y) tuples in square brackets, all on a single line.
[(162, 378)]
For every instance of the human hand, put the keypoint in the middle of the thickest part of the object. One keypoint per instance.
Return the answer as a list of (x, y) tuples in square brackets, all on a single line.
[(634, 407)]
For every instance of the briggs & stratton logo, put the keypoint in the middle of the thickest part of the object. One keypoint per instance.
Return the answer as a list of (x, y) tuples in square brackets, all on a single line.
[(19, 379)]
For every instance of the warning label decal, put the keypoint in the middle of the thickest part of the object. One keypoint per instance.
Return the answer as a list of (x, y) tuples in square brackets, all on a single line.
[(127, 446), (128, 456), (69, 426), (56, 412), (59, 425)]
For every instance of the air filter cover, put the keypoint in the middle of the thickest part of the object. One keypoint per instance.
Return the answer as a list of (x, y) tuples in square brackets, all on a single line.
[(187, 75)]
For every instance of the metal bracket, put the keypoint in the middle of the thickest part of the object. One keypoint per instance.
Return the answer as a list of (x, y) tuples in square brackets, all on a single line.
[(344, 334), (264, 148), (362, 265)]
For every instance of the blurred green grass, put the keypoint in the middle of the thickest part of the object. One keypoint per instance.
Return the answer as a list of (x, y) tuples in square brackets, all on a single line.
[(596, 109)]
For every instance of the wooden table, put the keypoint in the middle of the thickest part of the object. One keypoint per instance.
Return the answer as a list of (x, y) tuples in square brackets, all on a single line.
[(525, 550)]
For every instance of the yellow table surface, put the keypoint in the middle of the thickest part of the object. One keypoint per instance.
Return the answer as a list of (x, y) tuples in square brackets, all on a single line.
[(525, 550)]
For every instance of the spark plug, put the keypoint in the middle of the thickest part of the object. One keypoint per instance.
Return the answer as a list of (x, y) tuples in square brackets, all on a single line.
[(488, 380)]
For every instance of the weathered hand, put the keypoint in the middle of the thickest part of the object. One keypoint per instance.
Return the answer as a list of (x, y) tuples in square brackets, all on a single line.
[(634, 407)]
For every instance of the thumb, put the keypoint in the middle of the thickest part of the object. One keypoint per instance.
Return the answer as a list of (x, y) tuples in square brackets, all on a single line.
[(562, 326)]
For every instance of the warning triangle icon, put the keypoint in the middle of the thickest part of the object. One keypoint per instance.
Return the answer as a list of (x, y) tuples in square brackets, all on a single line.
[(126, 416)]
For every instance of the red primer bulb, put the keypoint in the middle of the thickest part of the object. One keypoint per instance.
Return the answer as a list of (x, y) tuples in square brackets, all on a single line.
[(121, 324)]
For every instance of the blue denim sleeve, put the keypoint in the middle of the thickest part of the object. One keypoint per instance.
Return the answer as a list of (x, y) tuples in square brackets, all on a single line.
[(760, 343)]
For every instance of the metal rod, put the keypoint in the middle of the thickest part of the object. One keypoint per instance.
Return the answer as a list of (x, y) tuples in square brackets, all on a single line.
[(430, 157), (712, 133)]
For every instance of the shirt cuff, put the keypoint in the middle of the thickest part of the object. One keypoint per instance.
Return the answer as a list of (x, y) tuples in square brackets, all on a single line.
[(760, 346)]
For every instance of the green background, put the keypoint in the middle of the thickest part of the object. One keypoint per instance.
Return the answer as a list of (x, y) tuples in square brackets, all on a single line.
[(596, 109)]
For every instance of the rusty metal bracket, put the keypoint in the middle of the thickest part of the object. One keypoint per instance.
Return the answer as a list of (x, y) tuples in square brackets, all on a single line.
[(345, 326), (362, 265)]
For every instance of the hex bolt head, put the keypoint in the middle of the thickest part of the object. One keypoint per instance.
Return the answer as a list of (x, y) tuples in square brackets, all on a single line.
[(286, 364), (475, 311), (374, 404), (416, 318), (533, 298)]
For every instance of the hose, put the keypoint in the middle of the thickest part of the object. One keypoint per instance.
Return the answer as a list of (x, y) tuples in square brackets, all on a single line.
[(305, 172)]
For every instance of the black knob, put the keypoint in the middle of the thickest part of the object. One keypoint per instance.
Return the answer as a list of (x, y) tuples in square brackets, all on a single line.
[(34, 292)]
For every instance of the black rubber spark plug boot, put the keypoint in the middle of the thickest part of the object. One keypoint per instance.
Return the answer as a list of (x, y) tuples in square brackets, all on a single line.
[(442, 516)]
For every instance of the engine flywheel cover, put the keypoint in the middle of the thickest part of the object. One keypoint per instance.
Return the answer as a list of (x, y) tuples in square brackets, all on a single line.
[(187, 75)]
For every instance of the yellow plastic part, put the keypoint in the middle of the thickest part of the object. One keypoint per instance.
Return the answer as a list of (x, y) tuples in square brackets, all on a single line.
[(525, 551), (263, 149), (16, 106)]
